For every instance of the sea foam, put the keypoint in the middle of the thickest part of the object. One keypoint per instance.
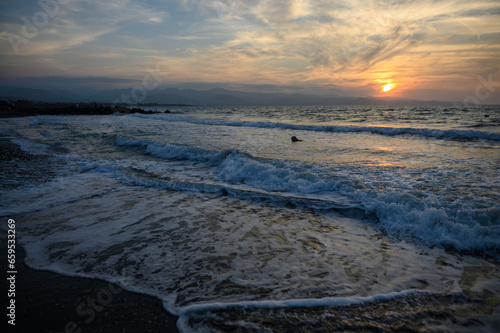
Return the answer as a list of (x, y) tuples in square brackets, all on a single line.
[(405, 213), (382, 130)]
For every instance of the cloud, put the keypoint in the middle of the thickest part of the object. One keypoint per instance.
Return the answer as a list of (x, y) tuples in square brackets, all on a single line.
[(281, 11), (48, 30), (354, 44), (83, 79), (342, 42)]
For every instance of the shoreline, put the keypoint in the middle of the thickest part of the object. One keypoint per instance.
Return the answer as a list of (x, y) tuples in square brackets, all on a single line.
[(27, 109), (353, 259), (51, 302)]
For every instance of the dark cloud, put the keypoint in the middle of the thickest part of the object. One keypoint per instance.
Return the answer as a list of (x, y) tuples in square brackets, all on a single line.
[(321, 42), (81, 80), (480, 12)]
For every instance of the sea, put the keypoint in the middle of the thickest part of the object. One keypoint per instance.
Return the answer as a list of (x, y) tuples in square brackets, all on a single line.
[(382, 218)]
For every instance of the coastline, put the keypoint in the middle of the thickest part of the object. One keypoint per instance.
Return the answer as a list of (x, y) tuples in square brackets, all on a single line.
[(27, 109), (50, 302), (464, 288)]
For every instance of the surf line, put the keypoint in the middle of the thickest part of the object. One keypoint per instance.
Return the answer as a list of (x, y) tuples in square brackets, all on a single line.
[(295, 303)]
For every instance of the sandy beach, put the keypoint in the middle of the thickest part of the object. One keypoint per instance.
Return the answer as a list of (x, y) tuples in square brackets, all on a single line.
[(49, 302), (239, 235), (250, 166)]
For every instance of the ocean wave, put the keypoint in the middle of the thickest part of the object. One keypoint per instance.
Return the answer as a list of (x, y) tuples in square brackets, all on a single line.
[(178, 152), (255, 181), (389, 131), (31, 147), (236, 167), (416, 219), (309, 314), (406, 213), (295, 303)]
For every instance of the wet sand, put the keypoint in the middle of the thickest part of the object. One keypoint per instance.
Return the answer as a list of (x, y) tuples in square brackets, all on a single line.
[(49, 302)]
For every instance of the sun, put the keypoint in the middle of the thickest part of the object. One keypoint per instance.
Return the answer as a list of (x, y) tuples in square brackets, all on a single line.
[(387, 87)]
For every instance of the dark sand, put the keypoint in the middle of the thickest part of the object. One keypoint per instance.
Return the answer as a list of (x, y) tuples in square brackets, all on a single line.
[(48, 302)]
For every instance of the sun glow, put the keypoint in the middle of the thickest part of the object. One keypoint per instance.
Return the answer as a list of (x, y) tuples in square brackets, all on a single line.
[(387, 87)]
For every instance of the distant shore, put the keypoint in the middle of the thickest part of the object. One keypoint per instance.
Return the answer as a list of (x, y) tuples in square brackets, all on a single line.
[(26, 109), (49, 302)]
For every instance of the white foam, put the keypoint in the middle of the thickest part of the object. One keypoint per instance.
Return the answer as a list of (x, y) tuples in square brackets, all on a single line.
[(185, 247), (431, 216), (171, 151), (183, 323), (31, 147), (382, 130), (297, 303), (126, 217), (403, 211)]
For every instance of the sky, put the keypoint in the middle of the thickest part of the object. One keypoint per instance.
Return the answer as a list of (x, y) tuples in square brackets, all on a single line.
[(426, 49)]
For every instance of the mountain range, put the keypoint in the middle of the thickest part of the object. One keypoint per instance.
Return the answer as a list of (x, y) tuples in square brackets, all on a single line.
[(216, 96)]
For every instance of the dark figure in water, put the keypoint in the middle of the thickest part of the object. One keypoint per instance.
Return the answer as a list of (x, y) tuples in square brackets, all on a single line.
[(294, 139)]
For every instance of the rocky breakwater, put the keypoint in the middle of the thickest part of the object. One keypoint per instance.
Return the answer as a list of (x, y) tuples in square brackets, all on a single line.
[(23, 109)]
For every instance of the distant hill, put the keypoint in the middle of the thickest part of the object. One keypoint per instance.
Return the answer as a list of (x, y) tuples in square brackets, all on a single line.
[(216, 96), (41, 95)]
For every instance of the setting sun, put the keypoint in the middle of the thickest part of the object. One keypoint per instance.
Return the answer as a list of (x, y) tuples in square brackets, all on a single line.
[(387, 87)]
